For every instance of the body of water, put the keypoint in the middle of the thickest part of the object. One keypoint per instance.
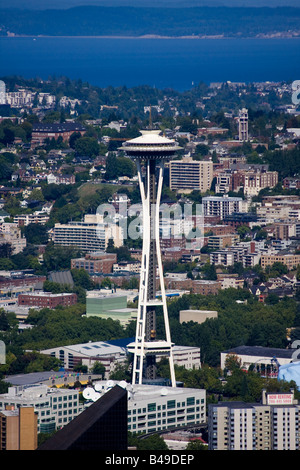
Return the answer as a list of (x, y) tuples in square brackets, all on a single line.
[(163, 63)]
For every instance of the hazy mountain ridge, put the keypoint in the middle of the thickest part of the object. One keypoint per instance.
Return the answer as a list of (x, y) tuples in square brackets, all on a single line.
[(133, 21), (65, 4)]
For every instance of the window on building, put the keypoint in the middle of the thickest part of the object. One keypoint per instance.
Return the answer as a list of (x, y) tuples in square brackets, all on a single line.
[(190, 401), (151, 407), (171, 404)]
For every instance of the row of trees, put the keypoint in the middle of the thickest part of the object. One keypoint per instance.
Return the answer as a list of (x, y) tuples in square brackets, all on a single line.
[(61, 326), (249, 323), (55, 258), (231, 384)]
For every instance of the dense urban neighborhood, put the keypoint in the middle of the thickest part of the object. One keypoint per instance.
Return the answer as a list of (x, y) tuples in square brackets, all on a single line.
[(71, 254)]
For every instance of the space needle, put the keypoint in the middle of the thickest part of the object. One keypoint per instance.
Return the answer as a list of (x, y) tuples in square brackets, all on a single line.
[(150, 151)]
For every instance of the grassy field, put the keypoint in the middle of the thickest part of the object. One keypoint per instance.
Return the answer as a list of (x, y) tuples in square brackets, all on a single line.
[(88, 189)]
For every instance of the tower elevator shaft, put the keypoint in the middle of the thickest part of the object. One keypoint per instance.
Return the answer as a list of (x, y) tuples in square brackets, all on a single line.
[(150, 330)]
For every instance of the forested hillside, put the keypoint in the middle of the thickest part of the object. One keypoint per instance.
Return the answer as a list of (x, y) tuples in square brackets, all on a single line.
[(133, 21)]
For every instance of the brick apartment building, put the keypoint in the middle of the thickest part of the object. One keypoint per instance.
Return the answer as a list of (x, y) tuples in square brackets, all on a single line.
[(196, 286), (291, 183), (255, 181), (172, 242), (216, 230), (252, 178), (176, 253), (211, 131), (13, 281), (117, 280), (237, 219), (94, 263), (284, 231), (45, 299), (43, 131)]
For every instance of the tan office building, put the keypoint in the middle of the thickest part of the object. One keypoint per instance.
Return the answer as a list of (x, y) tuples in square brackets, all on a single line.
[(291, 261), (197, 316), (187, 175), (18, 428)]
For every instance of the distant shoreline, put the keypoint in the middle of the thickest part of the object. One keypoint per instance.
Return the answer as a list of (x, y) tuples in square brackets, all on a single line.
[(151, 36)]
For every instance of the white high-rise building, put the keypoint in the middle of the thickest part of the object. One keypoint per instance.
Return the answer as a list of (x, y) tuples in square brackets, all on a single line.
[(2, 92), (92, 234), (222, 206), (157, 408), (272, 424)]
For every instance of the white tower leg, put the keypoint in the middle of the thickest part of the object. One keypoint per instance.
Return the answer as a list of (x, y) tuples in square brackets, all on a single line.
[(139, 352), (161, 274)]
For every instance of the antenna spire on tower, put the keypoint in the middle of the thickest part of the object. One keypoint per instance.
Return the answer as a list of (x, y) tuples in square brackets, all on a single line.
[(150, 118)]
